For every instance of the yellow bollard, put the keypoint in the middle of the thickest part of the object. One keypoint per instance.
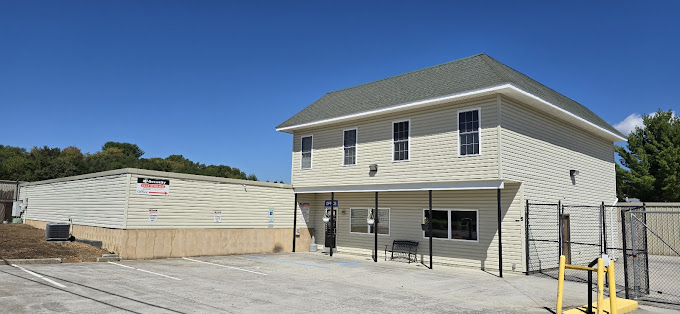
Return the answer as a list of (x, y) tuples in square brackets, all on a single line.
[(612, 288), (600, 284), (560, 286)]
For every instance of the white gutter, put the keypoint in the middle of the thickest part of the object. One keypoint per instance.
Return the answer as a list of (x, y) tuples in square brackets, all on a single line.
[(495, 89), (397, 107)]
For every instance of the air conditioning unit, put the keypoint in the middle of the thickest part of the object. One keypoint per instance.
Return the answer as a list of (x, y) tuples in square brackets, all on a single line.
[(57, 231)]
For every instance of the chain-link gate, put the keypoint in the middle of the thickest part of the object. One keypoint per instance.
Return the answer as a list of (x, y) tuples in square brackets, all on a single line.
[(542, 238), (9, 191), (580, 233), (652, 241)]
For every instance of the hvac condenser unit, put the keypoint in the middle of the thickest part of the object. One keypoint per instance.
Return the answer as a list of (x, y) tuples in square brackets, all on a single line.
[(57, 231)]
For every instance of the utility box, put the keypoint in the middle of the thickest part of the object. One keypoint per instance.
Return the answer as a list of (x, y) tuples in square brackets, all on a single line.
[(17, 208), (57, 231)]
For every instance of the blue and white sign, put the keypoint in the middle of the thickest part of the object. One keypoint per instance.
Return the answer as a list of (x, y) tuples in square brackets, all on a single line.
[(271, 211), (328, 203)]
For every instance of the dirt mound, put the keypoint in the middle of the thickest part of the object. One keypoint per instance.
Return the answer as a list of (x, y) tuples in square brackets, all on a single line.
[(24, 241)]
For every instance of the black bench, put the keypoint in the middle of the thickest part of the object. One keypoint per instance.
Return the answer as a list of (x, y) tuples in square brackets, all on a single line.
[(404, 247)]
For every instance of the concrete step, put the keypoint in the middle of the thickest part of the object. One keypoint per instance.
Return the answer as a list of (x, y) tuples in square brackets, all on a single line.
[(110, 255), (108, 259)]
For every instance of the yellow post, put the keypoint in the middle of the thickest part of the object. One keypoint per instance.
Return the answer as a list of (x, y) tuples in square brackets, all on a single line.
[(600, 284), (560, 286), (612, 288)]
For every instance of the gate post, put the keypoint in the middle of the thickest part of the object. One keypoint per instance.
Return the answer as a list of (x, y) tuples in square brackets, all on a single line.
[(604, 228), (526, 237), (559, 228), (625, 252), (644, 208)]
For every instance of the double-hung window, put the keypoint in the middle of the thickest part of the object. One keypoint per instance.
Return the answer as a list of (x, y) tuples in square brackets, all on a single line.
[(358, 224), (453, 224), (306, 152), (468, 132), (400, 138), (349, 147)]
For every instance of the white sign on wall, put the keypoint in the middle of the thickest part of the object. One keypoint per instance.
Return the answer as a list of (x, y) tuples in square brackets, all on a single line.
[(304, 213), (218, 216), (153, 215), (150, 186)]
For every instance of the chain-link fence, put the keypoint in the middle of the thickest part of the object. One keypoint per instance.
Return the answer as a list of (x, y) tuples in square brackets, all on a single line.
[(652, 241), (649, 267), (580, 233), (542, 237)]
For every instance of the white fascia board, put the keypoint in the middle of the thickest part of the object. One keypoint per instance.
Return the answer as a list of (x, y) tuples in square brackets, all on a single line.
[(404, 187), (568, 115), (506, 89), (430, 101)]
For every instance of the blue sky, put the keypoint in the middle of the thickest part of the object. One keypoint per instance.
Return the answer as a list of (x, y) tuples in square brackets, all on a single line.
[(211, 79)]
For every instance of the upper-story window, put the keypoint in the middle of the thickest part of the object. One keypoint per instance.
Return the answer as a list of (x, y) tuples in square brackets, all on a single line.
[(350, 147), (468, 132), (400, 137), (306, 160)]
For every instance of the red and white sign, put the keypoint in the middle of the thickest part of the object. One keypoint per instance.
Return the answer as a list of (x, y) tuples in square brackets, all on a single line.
[(218, 216), (150, 186), (153, 215), (303, 216)]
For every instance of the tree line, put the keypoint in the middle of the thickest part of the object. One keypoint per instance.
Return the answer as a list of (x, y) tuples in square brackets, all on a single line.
[(43, 163), (650, 160)]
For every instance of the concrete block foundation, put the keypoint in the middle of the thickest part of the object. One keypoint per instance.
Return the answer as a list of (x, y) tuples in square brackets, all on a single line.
[(161, 243)]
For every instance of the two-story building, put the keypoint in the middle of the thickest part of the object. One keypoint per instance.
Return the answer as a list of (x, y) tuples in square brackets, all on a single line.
[(473, 139)]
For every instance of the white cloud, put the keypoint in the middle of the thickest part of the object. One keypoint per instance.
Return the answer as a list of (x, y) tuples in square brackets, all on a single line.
[(634, 120), (629, 123)]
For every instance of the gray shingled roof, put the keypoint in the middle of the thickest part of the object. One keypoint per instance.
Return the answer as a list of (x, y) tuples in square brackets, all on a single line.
[(472, 73)]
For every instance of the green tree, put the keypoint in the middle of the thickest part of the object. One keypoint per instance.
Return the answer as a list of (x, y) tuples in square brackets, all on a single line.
[(43, 163), (651, 160), (128, 149)]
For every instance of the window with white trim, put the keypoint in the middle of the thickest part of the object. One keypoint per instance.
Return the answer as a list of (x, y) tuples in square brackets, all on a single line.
[(306, 151), (358, 224), (468, 132), (453, 224), (349, 144), (400, 137)]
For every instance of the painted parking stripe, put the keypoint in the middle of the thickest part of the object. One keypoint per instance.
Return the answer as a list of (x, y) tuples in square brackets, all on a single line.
[(225, 266), (282, 261), (40, 276), (146, 271)]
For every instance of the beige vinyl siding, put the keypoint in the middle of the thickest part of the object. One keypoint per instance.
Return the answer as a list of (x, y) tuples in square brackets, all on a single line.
[(433, 150), (406, 216), (192, 203), (98, 201), (539, 151)]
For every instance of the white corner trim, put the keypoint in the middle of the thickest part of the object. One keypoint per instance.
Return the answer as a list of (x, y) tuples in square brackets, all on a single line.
[(463, 185)]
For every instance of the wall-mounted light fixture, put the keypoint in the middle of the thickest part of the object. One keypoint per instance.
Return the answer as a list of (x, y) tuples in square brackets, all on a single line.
[(573, 173), (370, 221), (373, 167)]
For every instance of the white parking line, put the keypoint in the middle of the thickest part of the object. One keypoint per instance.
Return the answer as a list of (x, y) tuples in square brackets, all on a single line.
[(225, 266), (40, 276), (146, 271)]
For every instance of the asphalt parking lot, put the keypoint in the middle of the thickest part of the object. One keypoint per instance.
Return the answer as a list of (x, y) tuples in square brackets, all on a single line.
[(283, 283)]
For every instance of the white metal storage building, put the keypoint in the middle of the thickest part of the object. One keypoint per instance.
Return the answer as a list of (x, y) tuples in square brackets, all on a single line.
[(149, 214)]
